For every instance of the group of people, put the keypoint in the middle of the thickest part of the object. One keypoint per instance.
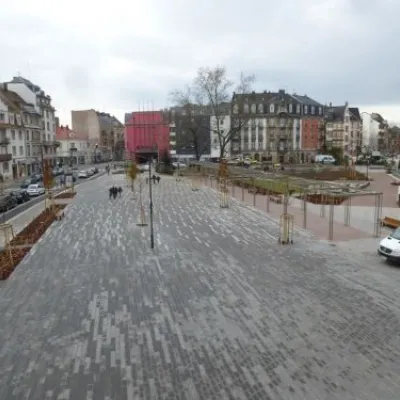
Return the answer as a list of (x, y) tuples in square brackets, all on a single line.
[(115, 191), (154, 179)]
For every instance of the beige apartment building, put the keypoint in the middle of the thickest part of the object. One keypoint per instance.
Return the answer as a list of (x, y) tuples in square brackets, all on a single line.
[(104, 132)]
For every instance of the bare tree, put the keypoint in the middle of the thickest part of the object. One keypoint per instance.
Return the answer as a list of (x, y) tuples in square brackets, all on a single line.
[(213, 88), (194, 118)]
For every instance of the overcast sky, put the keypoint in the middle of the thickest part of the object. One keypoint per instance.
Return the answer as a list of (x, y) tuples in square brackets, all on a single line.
[(116, 57)]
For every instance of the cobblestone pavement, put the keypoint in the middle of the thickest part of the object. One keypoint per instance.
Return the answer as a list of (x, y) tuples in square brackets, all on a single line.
[(218, 310)]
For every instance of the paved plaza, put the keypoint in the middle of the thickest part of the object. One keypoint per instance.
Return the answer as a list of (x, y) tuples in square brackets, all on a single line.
[(218, 310)]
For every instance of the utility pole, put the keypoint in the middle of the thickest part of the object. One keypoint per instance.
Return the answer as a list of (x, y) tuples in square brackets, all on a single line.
[(151, 209)]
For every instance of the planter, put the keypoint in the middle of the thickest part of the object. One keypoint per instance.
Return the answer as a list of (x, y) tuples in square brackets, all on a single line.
[(8, 264), (33, 232)]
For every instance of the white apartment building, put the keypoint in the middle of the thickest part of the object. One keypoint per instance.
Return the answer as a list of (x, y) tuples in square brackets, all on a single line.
[(18, 122), (33, 95), (373, 125), (172, 139), (74, 147)]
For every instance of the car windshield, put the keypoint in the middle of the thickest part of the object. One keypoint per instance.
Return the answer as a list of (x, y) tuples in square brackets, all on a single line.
[(396, 234)]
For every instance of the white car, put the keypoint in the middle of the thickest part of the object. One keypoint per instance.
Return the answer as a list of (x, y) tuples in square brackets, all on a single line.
[(82, 174), (179, 165), (35, 189), (390, 246)]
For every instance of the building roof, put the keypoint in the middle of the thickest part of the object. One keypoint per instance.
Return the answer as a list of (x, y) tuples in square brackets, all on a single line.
[(306, 100), (65, 133), (335, 113), (355, 113)]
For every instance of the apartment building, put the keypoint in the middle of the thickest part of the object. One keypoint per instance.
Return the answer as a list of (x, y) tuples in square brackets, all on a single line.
[(74, 147), (271, 126), (343, 129), (45, 145), (104, 132)]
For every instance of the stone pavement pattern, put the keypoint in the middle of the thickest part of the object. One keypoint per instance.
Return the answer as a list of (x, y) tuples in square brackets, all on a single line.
[(218, 310)]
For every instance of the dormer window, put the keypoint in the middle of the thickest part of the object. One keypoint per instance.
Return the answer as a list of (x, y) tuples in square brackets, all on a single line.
[(253, 109), (246, 108), (271, 108), (298, 109), (260, 108), (290, 108), (312, 110), (320, 110), (235, 109), (306, 110)]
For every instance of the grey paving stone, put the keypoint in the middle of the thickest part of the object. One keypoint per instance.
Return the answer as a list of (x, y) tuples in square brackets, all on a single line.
[(219, 310)]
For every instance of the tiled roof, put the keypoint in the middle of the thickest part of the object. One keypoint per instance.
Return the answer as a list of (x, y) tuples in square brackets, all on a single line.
[(65, 133), (306, 100)]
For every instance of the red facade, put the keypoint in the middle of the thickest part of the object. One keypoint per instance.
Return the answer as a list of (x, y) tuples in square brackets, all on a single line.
[(146, 132)]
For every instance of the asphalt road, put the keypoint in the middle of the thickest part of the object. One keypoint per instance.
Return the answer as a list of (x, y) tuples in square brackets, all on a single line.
[(5, 216)]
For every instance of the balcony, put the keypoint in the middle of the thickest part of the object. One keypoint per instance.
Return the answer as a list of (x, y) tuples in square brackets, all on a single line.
[(5, 157), (4, 141)]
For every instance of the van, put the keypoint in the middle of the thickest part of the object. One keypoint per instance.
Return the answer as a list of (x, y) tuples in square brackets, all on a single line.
[(325, 159), (389, 247)]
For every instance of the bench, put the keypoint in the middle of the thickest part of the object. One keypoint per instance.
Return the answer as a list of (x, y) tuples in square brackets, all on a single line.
[(276, 199), (60, 215), (390, 222)]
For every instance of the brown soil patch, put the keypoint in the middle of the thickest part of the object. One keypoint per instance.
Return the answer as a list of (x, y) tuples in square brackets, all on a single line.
[(331, 175), (28, 236), (8, 264)]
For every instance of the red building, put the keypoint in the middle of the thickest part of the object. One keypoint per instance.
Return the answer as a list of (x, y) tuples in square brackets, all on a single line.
[(310, 128), (146, 135)]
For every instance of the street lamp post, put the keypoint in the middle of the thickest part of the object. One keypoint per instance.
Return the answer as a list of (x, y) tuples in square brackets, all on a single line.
[(151, 208), (95, 153)]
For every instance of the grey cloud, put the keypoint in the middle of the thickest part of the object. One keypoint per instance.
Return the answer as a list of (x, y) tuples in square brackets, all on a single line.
[(333, 51)]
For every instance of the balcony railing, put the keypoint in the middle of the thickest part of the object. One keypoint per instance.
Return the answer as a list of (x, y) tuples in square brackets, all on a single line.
[(5, 157), (4, 141)]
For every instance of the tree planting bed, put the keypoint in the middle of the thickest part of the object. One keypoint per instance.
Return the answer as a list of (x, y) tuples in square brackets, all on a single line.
[(23, 241), (66, 195), (8, 264)]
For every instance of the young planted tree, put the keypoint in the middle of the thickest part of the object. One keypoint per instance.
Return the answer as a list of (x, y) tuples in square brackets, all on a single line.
[(214, 90), (132, 173)]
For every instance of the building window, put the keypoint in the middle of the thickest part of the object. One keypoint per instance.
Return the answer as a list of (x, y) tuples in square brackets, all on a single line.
[(271, 108), (11, 119), (320, 110), (290, 108), (20, 135), (253, 109), (246, 108), (260, 108), (312, 110), (14, 151), (298, 109), (13, 135), (221, 122), (2, 117), (306, 110), (6, 166), (235, 109), (18, 119), (21, 150)]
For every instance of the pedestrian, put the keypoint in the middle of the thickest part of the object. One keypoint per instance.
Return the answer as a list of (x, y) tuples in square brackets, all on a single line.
[(154, 179), (158, 179), (120, 191)]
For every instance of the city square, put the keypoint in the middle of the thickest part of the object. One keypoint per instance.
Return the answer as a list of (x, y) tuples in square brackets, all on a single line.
[(217, 310)]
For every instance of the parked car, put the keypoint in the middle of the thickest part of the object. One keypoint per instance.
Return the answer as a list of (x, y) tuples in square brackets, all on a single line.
[(21, 196), (7, 202), (83, 175), (35, 190), (29, 181), (179, 165)]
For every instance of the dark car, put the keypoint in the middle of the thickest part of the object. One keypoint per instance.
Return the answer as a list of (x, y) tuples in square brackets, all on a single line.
[(21, 196), (30, 181), (7, 202)]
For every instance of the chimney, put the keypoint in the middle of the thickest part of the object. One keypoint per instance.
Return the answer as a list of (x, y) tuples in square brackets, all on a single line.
[(330, 104), (281, 91)]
